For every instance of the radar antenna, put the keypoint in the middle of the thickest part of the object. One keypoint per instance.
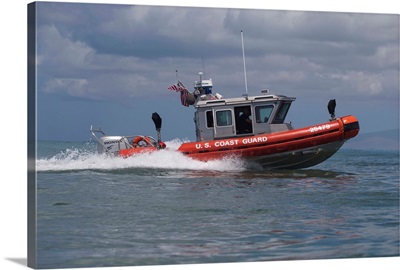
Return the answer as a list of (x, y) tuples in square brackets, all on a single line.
[(244, 66)]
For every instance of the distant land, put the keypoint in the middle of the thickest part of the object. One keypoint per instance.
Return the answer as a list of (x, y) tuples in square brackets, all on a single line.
[(381, 140)]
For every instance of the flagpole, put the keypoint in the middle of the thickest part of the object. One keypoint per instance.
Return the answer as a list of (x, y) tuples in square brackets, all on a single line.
[(176, 72)]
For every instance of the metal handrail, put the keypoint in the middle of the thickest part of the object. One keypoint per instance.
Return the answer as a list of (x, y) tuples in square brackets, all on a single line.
[(98, 140)]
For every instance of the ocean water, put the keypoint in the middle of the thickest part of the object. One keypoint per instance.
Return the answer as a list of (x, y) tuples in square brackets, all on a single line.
[(164, 208)]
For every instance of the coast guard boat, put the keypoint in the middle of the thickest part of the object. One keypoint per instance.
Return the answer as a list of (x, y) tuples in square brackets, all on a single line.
[(249, 127), (252, 128)]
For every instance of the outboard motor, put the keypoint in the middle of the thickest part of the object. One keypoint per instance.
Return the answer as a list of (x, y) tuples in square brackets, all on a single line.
[(331, 108), (112, 144)]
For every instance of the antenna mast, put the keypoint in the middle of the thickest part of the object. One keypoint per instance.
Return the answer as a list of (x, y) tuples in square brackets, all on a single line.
[(204, 71), (244, 65)]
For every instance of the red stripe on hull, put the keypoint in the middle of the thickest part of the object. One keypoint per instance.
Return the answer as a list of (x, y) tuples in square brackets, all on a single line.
[(133, 151), (268, 144)]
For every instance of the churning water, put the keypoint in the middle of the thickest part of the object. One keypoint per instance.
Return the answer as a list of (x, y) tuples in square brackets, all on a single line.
[(165, 208)]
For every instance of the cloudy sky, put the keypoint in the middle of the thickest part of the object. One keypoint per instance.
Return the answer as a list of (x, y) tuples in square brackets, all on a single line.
[(110, 65)]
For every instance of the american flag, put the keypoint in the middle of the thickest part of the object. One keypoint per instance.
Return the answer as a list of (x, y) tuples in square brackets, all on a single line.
[(184, 92), (177, 87)]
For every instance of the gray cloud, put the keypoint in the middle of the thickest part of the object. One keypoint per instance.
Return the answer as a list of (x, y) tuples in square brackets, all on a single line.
[(122, 52)]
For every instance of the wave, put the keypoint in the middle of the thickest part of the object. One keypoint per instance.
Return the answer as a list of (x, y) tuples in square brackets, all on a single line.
[(78, 159)]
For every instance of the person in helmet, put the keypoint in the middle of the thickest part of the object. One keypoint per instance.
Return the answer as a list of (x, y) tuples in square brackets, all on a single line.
[(162, 145)]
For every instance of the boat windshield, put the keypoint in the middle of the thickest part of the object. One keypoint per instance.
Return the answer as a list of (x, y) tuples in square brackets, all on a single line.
[(281, 113), (263, 113)]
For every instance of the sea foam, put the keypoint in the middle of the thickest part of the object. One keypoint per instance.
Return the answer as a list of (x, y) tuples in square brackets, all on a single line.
[(169, 158)]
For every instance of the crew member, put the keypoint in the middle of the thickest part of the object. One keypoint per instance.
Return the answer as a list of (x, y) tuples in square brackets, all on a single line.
[(244, 124)]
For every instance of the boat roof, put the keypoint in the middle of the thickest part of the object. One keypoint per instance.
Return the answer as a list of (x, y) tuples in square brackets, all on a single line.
[(241, 100)]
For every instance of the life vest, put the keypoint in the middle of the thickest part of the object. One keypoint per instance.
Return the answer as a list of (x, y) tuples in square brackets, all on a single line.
[(138, 139)]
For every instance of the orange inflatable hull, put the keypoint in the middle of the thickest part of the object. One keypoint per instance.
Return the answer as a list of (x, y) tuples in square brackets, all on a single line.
[(292, 149), (259, 146), (136, 150)]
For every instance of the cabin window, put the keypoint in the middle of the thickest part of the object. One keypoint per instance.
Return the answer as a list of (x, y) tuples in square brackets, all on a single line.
[(224, 118), (281, 113), (263, 113), (209, 119)]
